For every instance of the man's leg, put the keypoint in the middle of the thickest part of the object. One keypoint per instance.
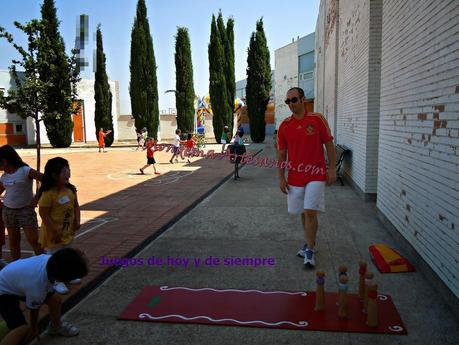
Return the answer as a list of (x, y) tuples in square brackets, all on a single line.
[(310, 225)]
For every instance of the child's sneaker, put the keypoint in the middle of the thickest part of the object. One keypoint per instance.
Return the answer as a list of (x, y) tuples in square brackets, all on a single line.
[(75, 281), (66, 329), (157, 173), (60, 288), (309, 258)]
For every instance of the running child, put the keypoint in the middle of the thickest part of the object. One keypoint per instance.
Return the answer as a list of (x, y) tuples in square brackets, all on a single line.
[(19, 202), (225, 138), (31, 280), (176, 151), (150, 156), (59, 210), (190, 143), (102, 136)]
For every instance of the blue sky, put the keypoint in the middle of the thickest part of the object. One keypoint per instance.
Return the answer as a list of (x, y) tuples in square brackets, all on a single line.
[(283, 20)]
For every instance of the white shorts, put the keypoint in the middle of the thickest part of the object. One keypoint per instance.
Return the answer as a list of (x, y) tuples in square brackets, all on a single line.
[(309, 197)]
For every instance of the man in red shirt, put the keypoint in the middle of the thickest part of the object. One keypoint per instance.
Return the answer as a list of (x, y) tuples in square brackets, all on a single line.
[(302, 137)]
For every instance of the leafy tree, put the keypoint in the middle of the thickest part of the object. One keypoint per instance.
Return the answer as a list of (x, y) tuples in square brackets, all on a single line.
[(102, 94), (258, 82), (29, 97), (143, 87), (184, 95), (54, 69)]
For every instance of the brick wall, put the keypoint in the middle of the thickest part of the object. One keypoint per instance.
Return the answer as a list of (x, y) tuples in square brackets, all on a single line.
[(319, 60), (330, 63), (418, 175), (359, 54)]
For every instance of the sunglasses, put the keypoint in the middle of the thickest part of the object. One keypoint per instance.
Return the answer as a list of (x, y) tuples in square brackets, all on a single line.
[(292, 100)]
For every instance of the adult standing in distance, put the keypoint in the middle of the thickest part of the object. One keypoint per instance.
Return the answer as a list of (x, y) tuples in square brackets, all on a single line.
[(301, 137)]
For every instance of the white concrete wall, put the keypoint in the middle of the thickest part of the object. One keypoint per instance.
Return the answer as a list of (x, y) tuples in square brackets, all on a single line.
[(286, 76), (86, 93), (418, 176), (126, 129)]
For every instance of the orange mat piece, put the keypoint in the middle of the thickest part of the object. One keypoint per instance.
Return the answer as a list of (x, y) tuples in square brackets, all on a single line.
[(388, 260)]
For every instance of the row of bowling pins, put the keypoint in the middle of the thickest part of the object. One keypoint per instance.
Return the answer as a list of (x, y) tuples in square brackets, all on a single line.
[(368, 293)]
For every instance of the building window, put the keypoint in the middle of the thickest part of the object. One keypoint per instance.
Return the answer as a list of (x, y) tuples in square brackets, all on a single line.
[(306, 62), (308, 75), (18, 129)]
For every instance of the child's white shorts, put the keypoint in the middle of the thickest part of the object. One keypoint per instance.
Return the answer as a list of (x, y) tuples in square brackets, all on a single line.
[(309, 197)]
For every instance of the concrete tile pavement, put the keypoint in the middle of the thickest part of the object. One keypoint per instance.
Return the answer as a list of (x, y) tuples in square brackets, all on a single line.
[(248, 217)]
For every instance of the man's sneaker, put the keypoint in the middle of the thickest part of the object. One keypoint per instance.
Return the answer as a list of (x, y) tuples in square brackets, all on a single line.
[(302, 252), (66, 329), (60, 288), (309, 258)]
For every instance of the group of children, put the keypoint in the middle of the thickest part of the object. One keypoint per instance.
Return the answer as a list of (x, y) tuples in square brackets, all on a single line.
[(36, 280), (177, 151)]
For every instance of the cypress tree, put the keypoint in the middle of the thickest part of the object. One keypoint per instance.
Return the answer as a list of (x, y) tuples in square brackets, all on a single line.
[(226, 70), (55, 72), (217, 82), (184, 95), (102, 94), (229, 52), (143, 86), (258, 82)]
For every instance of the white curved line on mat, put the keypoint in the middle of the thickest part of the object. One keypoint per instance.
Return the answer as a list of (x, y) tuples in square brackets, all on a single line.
[(166, 288), (396, 328), (299, 324)]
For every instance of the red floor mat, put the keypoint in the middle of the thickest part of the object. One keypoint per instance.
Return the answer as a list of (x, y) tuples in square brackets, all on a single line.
[(254, 308)]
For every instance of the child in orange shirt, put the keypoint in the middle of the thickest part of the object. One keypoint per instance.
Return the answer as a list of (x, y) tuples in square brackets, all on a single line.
[(102, 136)]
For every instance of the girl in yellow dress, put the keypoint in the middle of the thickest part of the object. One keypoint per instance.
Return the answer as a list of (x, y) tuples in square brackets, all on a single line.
[(59, 210)]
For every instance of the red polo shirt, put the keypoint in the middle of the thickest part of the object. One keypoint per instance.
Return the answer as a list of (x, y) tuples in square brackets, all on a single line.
[(303, 139)]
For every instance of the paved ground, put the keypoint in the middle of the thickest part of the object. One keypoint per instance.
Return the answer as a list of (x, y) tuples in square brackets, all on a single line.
[(248, 218), (121, 209)]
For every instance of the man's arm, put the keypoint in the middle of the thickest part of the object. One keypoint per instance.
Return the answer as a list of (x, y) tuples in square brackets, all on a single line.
[(331, 154), (282, 157)]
